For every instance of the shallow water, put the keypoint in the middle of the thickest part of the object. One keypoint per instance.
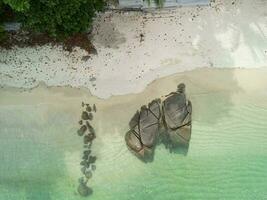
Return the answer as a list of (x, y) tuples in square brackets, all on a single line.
[(227, 157)]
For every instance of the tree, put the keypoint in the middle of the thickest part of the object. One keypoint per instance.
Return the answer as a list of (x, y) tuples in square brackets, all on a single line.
[(56, 17)]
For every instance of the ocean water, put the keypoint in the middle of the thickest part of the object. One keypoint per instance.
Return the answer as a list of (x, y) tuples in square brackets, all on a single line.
[(40, 151)]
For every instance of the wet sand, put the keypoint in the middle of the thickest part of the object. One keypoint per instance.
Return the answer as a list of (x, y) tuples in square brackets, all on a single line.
[(41, 152)]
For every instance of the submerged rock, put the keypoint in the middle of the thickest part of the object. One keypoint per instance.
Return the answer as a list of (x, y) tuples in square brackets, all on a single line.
[(84, 190), (92, 159), (85, 115), (82, 130), (93, 167), (87, 152), (88, 108)]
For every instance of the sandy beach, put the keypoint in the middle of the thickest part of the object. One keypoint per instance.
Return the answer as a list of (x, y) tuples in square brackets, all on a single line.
[(135, 48), (218, 51)]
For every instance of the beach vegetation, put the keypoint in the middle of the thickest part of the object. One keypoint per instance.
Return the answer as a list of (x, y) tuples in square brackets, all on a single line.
[(57, 18)]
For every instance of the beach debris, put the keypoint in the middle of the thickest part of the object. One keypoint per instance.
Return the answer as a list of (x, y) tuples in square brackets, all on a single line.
[(88, 132), (168, 122)]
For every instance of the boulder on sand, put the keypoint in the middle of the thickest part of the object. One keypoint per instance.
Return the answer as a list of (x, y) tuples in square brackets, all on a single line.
[(144, 127), (177, 114)]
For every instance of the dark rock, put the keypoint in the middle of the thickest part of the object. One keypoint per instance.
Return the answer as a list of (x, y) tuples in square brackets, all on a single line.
[(85, 115), (94, 108), (144, 130), (82, 130), (88, 108), (85, 157), (92, 159), (84, 162), (90, 116), (177, 116), (145, 126), (87, 152), (86, 139), (91, 136), (84, 190), (88, 174), (83, 169), (93, 167), (134, 121)]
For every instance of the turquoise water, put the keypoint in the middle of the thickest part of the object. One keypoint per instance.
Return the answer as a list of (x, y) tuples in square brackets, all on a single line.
[(40, 151)]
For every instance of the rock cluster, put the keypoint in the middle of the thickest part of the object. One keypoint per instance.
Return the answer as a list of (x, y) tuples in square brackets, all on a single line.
[(87, 164), (168, 122)]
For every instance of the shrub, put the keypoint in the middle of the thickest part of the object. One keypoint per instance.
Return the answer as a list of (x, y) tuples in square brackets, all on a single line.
[(56, 17), (3, 34)]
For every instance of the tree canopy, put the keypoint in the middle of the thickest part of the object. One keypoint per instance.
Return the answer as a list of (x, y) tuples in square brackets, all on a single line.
[(54, 17)]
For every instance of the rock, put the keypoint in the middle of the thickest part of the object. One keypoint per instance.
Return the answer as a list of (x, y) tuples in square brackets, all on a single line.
[(90, 128), (88, 108), (83, 169), (85, 115), (90, 116), (93, 167), (149, 124), (92, 159), (87, 152), (91, 136), (82, 130), (88, 174), (135, 119), (85, 157), (94, 108), (84, 190), (177, 116), (133, 141), (144, 127), (84, 162), (87, 139)]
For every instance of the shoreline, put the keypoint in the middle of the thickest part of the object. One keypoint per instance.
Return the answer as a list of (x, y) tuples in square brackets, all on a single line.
[(222, 35)]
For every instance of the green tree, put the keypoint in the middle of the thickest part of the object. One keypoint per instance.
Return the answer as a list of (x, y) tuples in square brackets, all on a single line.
[(56, 17), (18, 5)]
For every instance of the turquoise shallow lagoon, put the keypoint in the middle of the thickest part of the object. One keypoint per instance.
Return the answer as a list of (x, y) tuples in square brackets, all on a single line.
[(40, 151)]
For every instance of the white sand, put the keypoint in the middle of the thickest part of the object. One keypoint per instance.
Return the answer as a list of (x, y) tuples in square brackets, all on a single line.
[(222, 35)]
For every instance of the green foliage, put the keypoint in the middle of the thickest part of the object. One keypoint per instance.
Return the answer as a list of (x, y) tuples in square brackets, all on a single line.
[(56, 17), (18, 5), (3, 34), (61, 17)]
